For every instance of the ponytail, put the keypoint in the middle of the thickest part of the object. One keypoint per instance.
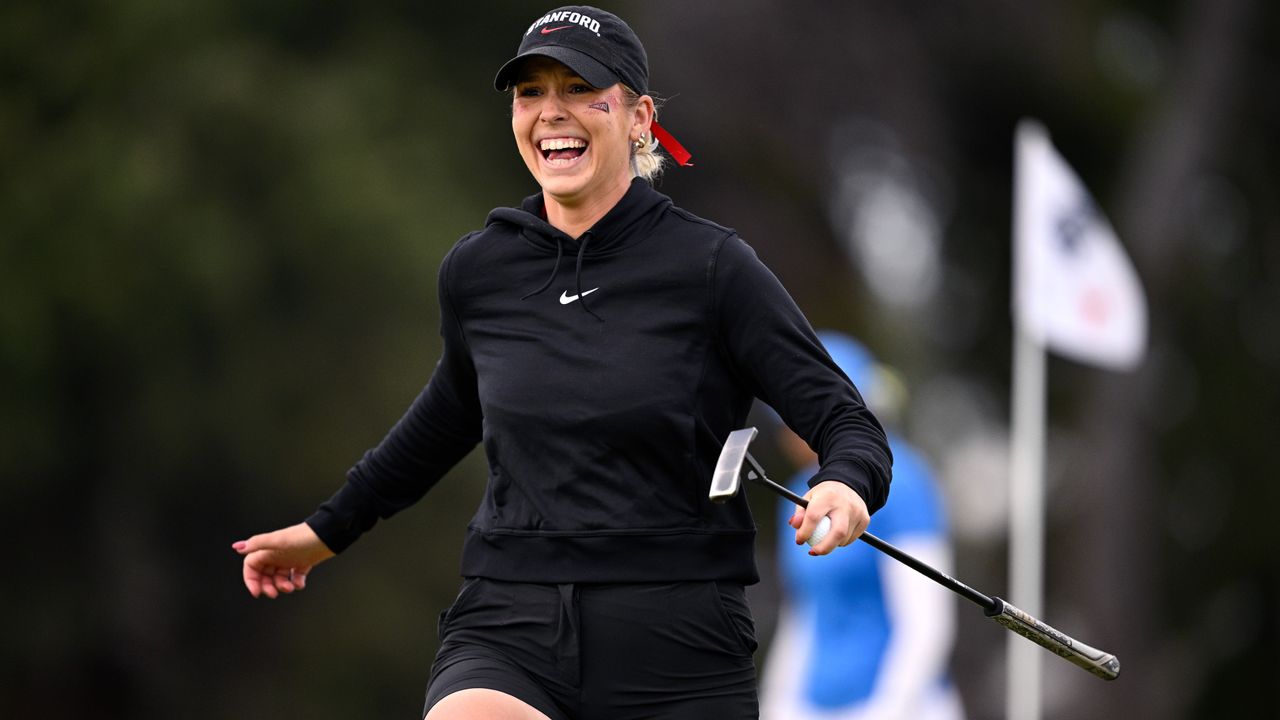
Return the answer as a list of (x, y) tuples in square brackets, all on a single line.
[(646, 161)]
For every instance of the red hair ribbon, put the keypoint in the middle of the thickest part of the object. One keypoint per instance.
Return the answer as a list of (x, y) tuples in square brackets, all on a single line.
[(672, 145)]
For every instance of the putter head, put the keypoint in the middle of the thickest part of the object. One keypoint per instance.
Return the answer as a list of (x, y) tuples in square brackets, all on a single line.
[(728, 475)]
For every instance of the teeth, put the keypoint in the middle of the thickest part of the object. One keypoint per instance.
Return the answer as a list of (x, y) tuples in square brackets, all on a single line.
[(561, 143)]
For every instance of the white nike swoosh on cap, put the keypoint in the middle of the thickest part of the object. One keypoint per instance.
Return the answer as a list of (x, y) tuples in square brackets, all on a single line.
[(566, 298)]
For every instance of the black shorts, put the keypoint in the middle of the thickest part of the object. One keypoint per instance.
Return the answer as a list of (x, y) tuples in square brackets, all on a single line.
[(618, 651)]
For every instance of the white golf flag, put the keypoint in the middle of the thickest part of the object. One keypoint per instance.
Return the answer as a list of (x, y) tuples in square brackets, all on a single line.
[(1075, 290)]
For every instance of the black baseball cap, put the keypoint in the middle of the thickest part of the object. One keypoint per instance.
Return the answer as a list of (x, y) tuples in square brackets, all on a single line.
[(594, 43), (600, 48)]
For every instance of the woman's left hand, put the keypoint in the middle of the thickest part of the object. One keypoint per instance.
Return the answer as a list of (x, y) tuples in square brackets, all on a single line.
[(848, 512)]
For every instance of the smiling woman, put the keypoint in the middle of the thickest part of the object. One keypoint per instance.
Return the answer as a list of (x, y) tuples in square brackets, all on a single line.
[(600, 580), (574, 143)]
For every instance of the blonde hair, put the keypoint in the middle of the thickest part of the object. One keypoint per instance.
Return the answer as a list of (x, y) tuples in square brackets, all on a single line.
[(646, 162)]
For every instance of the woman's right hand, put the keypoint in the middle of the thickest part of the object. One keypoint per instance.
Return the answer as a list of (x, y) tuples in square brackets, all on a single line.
[(278, 562)]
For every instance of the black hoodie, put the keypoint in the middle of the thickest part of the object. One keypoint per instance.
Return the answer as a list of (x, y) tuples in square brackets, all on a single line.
[(602, 375)]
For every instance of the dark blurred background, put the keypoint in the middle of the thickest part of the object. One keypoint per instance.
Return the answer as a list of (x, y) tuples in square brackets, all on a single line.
[(221, 224)]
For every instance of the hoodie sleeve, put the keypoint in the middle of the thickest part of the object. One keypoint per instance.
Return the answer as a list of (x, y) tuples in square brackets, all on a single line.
[(441, 426), (776, 353)]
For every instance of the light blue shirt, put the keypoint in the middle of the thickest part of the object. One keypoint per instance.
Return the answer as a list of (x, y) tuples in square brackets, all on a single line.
[(843, 591)]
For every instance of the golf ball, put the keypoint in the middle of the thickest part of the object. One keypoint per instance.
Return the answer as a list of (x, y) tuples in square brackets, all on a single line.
[(824, 527)]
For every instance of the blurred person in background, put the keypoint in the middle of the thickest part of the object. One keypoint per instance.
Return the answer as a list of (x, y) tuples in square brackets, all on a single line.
[(861, 636), (601, 343)]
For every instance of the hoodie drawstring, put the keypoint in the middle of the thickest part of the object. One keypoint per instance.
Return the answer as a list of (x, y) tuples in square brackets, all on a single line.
[(554, 269), (577, 274)]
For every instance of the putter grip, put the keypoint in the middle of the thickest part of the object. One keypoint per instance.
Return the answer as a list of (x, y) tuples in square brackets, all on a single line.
[(1104, 665)]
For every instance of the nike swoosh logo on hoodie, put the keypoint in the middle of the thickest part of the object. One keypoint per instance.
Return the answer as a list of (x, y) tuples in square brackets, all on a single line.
[(566, 298)]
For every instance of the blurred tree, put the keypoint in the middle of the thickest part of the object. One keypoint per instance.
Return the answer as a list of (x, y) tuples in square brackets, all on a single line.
[(220, 225), (221, 229)]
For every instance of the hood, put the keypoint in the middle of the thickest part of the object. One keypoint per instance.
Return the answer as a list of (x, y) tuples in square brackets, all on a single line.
[(625, 225)]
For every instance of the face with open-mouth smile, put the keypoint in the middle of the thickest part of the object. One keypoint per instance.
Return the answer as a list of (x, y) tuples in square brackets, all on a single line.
[(575, 139)]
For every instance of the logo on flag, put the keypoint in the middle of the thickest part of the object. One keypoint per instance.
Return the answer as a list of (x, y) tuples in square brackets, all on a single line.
[(1075, 290)]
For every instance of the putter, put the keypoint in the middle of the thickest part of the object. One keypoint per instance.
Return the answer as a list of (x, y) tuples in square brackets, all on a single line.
[(728, 478)]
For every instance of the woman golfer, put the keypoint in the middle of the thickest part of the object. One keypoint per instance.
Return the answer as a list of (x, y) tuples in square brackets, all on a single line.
[(601, 343)]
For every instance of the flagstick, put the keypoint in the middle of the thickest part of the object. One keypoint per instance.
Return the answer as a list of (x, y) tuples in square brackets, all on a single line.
[(1026, 521), (1066, 256)]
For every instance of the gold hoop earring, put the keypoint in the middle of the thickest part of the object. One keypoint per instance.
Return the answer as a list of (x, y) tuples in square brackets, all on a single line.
[(640, 143)]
